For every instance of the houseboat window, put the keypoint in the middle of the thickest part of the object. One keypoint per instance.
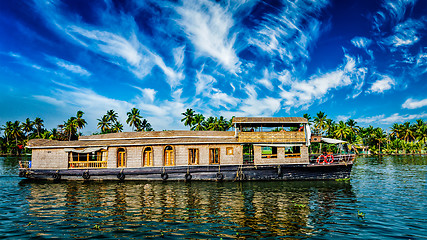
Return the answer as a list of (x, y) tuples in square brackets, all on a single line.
[(193, 156), (148, 157), (229, 151), (214, 156), (169, 156), (121, 157), (269, 152), (293, 152), (95, 159)]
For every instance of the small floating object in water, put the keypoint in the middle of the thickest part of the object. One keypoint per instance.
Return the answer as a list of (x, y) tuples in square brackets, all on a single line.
[(29, 224), (360, 214), (97, 227)]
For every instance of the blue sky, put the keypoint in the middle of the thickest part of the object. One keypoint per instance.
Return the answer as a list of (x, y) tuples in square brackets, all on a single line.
[(365, 60)]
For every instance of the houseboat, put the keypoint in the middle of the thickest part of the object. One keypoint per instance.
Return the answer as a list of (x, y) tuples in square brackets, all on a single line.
[(259, 148)]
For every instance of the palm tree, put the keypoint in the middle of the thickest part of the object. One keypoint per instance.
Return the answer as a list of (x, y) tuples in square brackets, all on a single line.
[(407, 131), (104, 124), (421, 134), (380, 137), (308, 117), (209, 124), (134, 118), (188, 117), (330, 127), (27, 126), (112, 116), (7, 129), (198, 123), (16, 131), (319, 122), (396, 130), (70, 127), (342, 130), (144, 126), (38, 123), (54, 134), (79, 121), (117, 127), (224, 125)]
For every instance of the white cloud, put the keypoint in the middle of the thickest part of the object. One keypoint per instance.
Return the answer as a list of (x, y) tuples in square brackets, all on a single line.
[(79, 98), (361, 42), (383, 84), (174, 78), (74, 68), (397, 8), (148, 94), (252, 106), (217, 98), (50, 100), (405, 34), (119, 41), (204, 83), (414, 104), (208, 26), (303, 93), (343, 118), (291, 34), (266, 80), (394, 118), (371, 119)]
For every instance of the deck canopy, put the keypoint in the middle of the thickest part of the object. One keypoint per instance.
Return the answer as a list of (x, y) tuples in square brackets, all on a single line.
[(332, 141), (85, 150), (269, 121)]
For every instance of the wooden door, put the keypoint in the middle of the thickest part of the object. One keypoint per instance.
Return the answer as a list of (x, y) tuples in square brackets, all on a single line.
[(169, 156), (121, 158), (147, 157)]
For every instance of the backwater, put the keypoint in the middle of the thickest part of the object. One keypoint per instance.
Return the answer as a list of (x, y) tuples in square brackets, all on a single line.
[(385, 198)]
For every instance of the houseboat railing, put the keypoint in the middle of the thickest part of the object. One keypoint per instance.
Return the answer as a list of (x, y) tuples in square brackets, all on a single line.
[(292, 155), (337, 158), (271, 137), (87, 164)]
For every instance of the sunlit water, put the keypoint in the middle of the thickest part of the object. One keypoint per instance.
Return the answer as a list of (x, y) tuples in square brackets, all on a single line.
[(391, 192)]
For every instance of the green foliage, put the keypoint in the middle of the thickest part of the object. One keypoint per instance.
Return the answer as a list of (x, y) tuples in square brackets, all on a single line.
[(198, 122)]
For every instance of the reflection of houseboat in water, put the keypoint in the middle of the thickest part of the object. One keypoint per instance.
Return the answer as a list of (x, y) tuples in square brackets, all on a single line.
[(252, 152)]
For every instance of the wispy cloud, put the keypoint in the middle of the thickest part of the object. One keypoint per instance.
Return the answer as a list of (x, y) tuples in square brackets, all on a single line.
[(255, 106), (303, 93), (215, 97), (27, 62), (74, 68), (394, 118), (290, 34), (209, 27), (382, 84), (405, 34), (361, 42), (119, 42), (411, 103), (79, 98)]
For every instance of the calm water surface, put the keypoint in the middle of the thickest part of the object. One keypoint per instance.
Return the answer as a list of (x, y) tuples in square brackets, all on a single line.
[(391, 192)]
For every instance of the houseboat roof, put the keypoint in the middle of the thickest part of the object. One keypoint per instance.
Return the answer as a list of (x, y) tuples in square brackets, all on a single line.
[(261, 120), (139, 139)]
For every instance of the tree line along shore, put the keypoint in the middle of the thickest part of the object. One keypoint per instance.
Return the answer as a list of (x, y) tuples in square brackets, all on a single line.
[(404, 138)]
